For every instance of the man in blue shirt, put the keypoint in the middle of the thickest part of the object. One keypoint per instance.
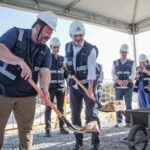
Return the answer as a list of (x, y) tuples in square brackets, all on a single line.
[(24, 55)]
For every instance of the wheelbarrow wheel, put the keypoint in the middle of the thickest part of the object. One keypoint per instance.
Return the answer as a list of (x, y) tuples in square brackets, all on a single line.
[(136, 134)]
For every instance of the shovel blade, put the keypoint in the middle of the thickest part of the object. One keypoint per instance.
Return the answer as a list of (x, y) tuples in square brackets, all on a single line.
[(91, 127), (113, 106)]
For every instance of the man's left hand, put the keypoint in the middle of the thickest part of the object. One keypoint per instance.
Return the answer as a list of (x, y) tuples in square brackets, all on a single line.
[(90, 94), (125, 83), (46, 94)]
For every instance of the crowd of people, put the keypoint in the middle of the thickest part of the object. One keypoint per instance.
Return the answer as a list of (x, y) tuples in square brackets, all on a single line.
[(25, 55)]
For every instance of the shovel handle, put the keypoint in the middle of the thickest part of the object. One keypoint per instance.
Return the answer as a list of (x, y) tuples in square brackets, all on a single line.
[(46, 99), (82, 86)]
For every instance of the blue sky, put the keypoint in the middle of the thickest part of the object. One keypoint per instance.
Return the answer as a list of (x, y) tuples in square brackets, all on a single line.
[(107, 41)]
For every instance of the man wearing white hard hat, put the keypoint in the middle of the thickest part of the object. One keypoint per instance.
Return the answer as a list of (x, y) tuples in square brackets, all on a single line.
[(24, 55), (142, 85), (123, 74), (81, 61), (57, 86)]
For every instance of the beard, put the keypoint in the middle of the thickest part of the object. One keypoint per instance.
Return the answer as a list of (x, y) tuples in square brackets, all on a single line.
[(42, 40)]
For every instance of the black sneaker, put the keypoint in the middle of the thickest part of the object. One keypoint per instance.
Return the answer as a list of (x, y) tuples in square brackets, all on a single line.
[(47, 134), (78, 147), (95, 146), (63, 131), (119, 125)]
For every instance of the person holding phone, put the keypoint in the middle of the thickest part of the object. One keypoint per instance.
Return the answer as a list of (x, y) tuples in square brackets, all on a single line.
[(142, 85)]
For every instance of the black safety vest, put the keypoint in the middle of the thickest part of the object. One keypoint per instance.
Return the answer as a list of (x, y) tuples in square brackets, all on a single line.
[(57, 72), (11, 83), (123, 71), (98, 70), (98, 73), (81, 61), (146, 80)]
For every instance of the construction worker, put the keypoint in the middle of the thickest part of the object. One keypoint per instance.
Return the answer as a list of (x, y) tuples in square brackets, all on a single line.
[(24, 55), (57, 86), (81, 61), (142, 85), (123, 74), (99, 80), (98, 85)]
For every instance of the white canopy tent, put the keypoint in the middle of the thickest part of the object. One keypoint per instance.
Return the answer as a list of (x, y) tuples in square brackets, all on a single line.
[(129, 16)]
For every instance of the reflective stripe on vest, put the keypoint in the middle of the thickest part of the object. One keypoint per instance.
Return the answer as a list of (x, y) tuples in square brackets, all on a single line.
[(69, 63), (82, 68), (57, 81), (57, 71), (7, 73), (123, 72), (135, 86), (146, 79), (3, 69), (20, 37), (146, 87), (84, 81)]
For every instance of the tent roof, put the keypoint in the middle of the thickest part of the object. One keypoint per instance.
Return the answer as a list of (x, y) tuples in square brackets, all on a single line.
[(122, 15)]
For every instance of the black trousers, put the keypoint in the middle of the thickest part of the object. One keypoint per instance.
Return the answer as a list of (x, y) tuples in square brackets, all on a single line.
[(60, 102), (76, 100)]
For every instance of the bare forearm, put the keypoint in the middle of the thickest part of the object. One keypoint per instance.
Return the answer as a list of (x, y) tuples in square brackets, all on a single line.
[(45, 78), (8, 57), (90, 85)]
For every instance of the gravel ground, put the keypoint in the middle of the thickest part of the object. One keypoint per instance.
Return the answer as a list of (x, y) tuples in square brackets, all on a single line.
[(109, 138)]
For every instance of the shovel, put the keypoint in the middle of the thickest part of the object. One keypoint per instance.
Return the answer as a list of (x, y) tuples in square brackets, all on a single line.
[(109, 107), (48, 102)]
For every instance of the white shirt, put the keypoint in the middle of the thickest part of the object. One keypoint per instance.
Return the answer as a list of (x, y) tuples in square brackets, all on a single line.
[(131, 77), (91, 61)]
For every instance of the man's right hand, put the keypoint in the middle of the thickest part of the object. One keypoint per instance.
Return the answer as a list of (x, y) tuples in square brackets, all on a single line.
[(139, 69), (26, 72), (120, 82)]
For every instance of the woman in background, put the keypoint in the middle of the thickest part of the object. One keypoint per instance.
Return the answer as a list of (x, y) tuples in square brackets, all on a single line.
[(142, 85)]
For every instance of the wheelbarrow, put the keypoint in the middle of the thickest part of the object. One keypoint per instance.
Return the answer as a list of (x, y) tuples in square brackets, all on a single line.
[(139, 133)]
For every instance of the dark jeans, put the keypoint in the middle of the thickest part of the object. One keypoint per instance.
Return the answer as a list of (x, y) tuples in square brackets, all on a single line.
[(76, 100), (127, 94), (60, 102)]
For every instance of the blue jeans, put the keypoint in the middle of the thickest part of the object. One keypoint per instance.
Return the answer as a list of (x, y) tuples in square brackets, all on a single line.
[(127, 94), (143, 97)]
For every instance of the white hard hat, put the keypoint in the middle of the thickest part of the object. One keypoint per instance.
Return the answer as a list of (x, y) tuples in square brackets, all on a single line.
[(55, 41), (142, 58), (76, 28), (49, 18), (124, 48)]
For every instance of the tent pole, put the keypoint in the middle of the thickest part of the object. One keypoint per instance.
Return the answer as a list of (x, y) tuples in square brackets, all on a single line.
[(134, 44)]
